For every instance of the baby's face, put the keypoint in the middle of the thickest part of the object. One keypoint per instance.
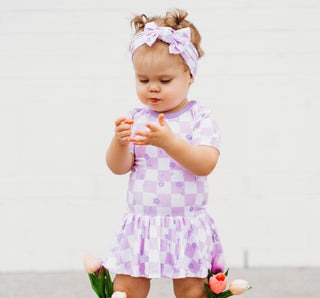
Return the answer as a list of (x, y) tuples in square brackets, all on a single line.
[(162, 79)]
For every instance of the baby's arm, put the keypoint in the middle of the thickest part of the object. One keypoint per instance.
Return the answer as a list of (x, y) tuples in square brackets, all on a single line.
[(119, 158), (199, 160)]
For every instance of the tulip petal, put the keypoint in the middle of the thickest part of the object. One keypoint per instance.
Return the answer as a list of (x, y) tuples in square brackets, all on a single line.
[(238, 286), (218, 264), (119, 295), (91, 263), (218, 283)]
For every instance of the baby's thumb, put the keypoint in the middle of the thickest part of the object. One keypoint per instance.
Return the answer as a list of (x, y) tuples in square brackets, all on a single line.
[(162, 122)]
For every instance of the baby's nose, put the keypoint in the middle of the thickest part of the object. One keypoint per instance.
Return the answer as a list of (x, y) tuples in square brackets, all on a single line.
[(154, 87)]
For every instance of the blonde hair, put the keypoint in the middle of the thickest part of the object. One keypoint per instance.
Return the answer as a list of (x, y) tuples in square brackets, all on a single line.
[(176, 19)]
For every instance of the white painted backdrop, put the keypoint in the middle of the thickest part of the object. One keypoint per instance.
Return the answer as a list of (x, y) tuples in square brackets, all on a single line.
[(65, 75)]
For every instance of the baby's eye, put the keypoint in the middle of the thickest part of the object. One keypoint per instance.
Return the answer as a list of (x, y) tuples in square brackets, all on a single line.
[(144, 80), (166, 81)]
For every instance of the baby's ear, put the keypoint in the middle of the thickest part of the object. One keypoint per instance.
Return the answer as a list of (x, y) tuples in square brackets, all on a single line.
[(191, 79)]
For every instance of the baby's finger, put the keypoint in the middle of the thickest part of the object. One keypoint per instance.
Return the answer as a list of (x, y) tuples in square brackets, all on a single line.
[(124, 126), (133, 139), (129, 121), (142, 133), (124, 133), (162, 122), (152, 127), (138, 141), (119, 120)]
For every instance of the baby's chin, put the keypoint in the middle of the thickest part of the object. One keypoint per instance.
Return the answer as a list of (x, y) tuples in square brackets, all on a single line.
[(158, 106)]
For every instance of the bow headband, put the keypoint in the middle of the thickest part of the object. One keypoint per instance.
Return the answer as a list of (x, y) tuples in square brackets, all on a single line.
[(178, 40)]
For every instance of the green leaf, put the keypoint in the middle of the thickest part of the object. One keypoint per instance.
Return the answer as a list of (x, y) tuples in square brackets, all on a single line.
[(210, 274), (210, 293), (95, 284), (225, 294), (109, 283), (102, 282), (93, 280), (227, 272)]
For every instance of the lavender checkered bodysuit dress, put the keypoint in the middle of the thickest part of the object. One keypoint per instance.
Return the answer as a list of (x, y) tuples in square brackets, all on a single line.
[(167, 232)]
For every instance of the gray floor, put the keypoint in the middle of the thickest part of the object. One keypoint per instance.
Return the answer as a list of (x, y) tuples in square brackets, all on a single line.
[(266, 283)]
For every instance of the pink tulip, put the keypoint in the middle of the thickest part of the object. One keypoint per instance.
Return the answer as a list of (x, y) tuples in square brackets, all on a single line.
[(91, 263), (217, 264), (238, 286), (119, 295), (218, 283)]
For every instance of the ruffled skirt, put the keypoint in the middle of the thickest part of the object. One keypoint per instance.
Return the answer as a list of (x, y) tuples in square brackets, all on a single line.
[(164, 247)]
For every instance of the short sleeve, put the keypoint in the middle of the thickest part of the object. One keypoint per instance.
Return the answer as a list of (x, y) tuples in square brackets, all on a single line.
[(205, 130)]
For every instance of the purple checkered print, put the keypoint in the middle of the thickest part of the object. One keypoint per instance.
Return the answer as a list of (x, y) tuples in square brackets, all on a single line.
[(167, 231)]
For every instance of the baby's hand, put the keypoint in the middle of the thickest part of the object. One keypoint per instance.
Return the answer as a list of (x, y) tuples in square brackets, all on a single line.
[(123, 130), (159, 136)]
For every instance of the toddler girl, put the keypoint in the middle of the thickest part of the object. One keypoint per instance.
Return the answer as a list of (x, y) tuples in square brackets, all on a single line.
[(169, 146)]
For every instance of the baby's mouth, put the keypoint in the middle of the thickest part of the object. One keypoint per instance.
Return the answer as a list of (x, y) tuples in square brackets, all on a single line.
[(154, 100)]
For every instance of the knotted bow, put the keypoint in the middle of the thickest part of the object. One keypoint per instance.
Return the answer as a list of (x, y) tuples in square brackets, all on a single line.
[(151, 33), (178, 40)]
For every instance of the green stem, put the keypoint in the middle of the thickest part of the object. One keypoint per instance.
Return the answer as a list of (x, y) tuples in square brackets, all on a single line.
[(225, 294)]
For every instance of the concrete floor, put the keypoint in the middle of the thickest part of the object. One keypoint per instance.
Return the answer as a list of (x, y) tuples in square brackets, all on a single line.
[(266, 283)]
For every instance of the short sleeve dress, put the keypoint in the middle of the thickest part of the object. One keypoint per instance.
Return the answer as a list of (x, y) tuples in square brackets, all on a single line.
[(166, 231)]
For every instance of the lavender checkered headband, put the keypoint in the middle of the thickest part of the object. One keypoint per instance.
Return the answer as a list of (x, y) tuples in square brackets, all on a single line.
[(178, 40)]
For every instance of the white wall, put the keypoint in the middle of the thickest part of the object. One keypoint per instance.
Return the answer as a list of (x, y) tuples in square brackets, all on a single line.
[(65, 75)]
